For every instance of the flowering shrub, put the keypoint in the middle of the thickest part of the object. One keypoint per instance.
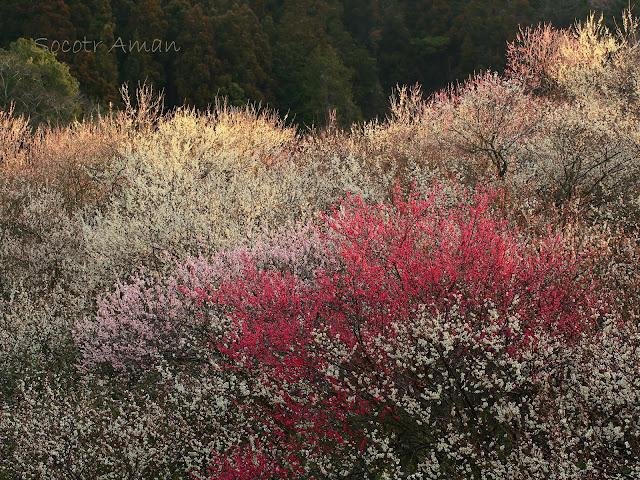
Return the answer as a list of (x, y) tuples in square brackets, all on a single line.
[(591, 405), (61, 429), (586, 61), (213, 178), (485, 122), (147, 322), (16, 135), (589, 155), (40, 252), (77, 161), (40, 241), (35, 336), (419, 352), (148, 346), (587, 143), (138, 322), (417, 339)]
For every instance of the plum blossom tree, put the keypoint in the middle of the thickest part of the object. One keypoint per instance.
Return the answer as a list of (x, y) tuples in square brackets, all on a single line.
[(420, 352)]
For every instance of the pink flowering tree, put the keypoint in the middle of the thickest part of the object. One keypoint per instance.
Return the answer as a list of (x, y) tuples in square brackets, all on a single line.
[(148, 321)]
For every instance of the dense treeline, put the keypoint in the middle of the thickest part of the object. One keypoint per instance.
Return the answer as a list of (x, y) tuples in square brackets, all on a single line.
[(303, 57)]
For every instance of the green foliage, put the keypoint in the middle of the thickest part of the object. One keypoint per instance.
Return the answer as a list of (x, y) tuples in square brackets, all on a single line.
[(431, 45), (325, 88), (102, 61), (37, 84), (234, 94)]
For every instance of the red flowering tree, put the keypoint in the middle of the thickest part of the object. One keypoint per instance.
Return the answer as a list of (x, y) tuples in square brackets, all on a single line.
[(417, 350)]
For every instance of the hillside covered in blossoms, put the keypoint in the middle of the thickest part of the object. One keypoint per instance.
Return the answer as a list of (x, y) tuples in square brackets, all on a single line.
[(448, 292)]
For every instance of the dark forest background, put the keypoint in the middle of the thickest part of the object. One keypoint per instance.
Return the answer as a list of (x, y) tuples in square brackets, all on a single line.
[(301, 57)]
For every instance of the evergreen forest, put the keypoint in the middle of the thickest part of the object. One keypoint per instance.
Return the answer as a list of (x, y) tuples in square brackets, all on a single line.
[(304, 58)]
